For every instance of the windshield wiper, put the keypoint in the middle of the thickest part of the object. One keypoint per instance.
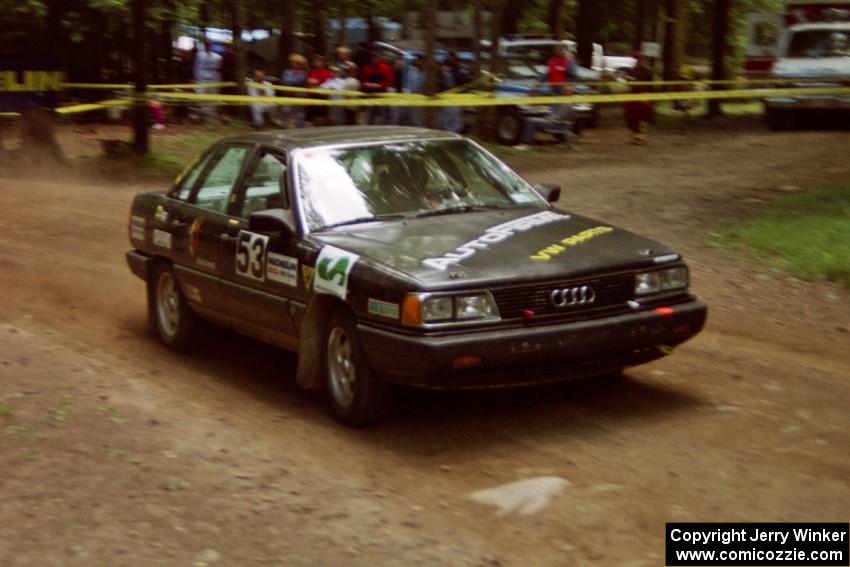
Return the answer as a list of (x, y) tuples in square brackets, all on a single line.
[(459, 209), (361, 220)]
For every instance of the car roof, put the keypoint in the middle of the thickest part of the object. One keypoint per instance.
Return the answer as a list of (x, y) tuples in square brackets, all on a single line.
[(335, 135)]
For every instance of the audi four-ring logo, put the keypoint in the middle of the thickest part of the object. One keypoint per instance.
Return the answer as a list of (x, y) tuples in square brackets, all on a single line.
[(573, 296)]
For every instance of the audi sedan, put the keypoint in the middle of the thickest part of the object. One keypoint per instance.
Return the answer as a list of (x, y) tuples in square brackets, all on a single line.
[(388, 255)]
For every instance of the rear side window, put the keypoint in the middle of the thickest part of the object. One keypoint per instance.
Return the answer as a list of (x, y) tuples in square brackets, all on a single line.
[(217, 187), (186, 180)]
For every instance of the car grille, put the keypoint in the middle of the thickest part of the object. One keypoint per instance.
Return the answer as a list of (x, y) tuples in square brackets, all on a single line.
[(612, 293)]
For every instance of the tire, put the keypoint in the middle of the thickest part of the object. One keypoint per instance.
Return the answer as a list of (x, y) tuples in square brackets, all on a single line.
[(777, 120), (168, 311), (357, 395), (509, 124)]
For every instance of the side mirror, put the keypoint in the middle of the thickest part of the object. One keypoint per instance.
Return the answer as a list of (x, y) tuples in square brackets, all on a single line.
[(272, 220), (549, 191)]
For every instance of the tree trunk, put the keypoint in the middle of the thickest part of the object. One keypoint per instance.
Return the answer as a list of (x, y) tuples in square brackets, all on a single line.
[(640, 23), (511, 14), (556, 23), (487, 114), (674, 36), (373, 32), (140, 109), (204, 16), (586, 32), (320, 41), (343, 23), (718, 50), (237, 19), (477, 33), (286, 43), (429, 25)]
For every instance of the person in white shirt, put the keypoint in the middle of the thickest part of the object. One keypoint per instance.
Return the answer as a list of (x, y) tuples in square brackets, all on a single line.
[(260, 111), (342, 80), (207, 69)]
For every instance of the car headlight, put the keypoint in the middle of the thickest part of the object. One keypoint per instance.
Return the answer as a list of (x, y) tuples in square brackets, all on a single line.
[(661, 280), (422, 309), (477, 306), (436, 309)]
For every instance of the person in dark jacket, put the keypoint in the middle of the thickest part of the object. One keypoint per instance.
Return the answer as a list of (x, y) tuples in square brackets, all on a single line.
[(638, 113)]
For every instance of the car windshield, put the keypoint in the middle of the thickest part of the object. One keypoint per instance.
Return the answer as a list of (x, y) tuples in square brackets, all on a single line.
[(397, 180), (820, 43), (537, 53)]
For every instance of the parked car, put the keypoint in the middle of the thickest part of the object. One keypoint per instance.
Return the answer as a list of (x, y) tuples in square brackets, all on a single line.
[(389, 255), (617, 65), (539, 49), (523, 78)]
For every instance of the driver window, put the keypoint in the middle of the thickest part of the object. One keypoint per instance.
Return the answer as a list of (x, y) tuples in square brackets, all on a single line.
[(214, 192), (263, 185)]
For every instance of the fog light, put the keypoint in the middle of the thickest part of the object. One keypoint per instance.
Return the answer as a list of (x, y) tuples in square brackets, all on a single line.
[(466, 362)]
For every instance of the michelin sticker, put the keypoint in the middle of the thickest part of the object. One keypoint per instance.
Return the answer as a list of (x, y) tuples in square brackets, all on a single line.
[(332, 269), (137, 227), (282, 269), (162, 238), (493, 235)]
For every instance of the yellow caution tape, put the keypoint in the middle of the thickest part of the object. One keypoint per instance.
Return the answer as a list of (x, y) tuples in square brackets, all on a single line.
[(219, 85), (77, 108), (97, 86), (490, 100), (462, 99)]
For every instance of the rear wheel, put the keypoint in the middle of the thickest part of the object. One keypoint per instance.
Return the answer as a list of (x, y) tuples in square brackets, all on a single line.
[(509, 123), (168, 311), (357, 396), (777, 120)]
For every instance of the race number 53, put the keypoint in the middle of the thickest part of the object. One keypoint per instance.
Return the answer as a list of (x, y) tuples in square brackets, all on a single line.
[(251, 255)]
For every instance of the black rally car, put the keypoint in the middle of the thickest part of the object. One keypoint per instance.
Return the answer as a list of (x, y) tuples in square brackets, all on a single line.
[(401, 255)]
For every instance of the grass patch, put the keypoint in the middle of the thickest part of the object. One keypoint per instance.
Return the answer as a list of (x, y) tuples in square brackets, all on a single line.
[(807, 234), (169, 152)]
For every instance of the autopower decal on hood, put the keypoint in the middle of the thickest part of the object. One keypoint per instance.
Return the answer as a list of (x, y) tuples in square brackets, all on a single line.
[(493, 235), (546, 254)]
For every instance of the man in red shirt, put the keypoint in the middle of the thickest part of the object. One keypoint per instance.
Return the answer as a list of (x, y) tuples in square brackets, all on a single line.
[(559, 66), (377, 77)]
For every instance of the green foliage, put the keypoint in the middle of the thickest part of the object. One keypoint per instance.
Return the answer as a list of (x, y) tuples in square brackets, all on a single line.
[(808, 234)]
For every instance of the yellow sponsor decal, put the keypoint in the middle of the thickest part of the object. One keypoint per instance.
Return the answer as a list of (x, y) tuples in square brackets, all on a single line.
[(307, 275), (30, 81), (546, 254)]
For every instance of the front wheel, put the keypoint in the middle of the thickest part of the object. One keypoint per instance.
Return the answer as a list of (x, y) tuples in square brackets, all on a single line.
[(357, 396), (168, 311)]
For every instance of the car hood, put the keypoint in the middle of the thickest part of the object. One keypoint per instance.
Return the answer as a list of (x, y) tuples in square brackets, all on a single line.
[(494, 246), (815, 68)]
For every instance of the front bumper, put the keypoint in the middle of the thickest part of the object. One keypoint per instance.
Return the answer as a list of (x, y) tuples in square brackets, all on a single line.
[(531, 354), (809, 103)]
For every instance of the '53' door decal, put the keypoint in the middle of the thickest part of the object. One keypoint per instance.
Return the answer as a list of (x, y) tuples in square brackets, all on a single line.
[(251, 255)]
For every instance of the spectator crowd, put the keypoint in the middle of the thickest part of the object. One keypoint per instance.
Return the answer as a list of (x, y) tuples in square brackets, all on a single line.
[(365, 71)]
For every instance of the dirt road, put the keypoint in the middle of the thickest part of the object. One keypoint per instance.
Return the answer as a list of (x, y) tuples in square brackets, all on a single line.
[(118, 451)]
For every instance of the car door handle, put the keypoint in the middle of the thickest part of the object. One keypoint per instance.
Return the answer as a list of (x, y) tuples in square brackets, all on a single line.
[(178, 224), (224, 237)]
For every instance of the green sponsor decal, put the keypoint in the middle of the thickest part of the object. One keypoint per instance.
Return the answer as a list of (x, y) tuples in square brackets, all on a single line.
[(383, 308), (333, 268)]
